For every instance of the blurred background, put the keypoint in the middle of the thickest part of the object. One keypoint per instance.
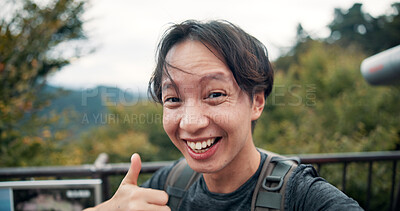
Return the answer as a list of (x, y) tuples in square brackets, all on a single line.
[(74, 79)]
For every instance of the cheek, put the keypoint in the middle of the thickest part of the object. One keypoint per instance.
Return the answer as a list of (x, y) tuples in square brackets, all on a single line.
[(223, 117), (233, 115), (170, 122), (235, 120)]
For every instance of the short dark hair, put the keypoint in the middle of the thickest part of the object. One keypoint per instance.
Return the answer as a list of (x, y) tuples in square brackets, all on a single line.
[(245, 56)]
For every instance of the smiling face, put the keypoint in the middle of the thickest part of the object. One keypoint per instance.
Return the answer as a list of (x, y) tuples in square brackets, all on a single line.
[(205, 113)]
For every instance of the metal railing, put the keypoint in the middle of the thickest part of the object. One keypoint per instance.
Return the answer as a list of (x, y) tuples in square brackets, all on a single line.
[(103, 170)]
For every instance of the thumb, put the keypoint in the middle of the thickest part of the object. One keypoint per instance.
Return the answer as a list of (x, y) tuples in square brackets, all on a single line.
[(134, 170)]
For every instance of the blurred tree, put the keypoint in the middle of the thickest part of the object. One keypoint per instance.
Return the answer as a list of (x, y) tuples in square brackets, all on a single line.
[(302, 37), (149, 121), (126, 130), (372, 34), (31, 35), (323, 104)]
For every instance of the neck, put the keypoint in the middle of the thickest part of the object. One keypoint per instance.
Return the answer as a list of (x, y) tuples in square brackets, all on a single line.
[(236, 173)]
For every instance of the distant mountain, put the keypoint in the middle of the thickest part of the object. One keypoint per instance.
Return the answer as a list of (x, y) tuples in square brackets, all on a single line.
[(88, 107)]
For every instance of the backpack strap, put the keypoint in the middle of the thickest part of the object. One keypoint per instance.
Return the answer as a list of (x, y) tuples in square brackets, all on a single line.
[(269, 193), (180, 178)]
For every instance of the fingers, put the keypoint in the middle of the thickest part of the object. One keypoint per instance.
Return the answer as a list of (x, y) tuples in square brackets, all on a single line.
[(157, 197), (143, 206), (147, 199), (133, 173), (156, 207)]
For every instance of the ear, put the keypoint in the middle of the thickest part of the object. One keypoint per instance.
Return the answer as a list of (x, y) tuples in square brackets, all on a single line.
[(258, 105)]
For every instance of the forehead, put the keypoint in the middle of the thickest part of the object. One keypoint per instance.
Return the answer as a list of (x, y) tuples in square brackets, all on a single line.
[(193, 51), (199, 79), (195, 60)]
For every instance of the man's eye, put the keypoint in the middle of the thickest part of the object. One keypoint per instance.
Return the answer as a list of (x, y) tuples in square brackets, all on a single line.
[(216, 94), (173, 100)]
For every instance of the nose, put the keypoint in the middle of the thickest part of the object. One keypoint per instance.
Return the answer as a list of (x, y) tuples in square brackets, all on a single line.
[(193, 119)]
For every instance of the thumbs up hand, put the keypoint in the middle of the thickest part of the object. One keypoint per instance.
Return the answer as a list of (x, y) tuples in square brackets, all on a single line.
[(133, 173), (130, 196)]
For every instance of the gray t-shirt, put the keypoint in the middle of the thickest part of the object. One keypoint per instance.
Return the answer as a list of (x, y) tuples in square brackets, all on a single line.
[(304, 191)]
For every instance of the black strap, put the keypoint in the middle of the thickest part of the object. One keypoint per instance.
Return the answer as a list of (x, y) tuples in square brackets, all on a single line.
[(271, 198), (178, 190), (277, 176)]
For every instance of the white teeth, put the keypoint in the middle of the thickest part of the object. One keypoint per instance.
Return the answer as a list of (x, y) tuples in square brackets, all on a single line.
[(200, 147), (192, 145)]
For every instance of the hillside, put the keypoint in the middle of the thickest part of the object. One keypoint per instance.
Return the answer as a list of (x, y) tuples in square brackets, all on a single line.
[(86, 108)]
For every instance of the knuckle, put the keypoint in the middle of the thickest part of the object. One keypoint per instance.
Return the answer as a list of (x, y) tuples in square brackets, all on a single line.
[(164, 197), (135, 194), (165, 208)]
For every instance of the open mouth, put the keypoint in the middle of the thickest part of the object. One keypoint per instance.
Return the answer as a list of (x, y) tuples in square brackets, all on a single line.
[(202, 146)]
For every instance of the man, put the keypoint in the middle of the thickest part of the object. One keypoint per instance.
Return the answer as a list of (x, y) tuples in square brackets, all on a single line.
[(213, 79)]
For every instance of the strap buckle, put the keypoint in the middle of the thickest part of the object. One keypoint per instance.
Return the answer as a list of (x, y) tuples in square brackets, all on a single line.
[(272, 179)]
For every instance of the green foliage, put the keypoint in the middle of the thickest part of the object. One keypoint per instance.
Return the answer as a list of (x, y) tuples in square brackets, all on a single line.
[(149, 121), (322, 103), (29, 37), (126, 130), (372, 34)]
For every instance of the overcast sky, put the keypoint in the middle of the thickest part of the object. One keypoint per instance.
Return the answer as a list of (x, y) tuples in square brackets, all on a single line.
[(125, 32)]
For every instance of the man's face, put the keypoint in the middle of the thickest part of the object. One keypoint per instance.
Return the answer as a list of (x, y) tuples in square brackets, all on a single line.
[(209, 120)]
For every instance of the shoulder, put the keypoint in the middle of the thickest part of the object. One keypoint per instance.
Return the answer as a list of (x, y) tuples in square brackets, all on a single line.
[(307, 191), (158, 179)]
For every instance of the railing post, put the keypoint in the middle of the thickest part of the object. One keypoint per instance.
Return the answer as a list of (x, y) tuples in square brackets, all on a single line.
[(319, 168), (397, 201), (105, 187), (99, 164), (369, 185), (392, 205), (344, 177)]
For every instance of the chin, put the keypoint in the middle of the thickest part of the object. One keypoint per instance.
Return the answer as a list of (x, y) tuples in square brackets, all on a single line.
[(203, 166)]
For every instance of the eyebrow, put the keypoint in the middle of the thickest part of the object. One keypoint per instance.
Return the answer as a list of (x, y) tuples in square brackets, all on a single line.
[(167, 85), (214, 76)]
